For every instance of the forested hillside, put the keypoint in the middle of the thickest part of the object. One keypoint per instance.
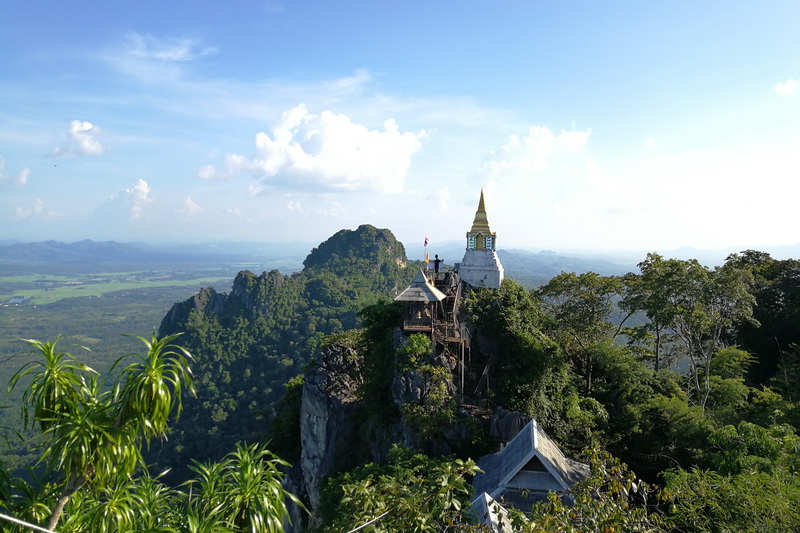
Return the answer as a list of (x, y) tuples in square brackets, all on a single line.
[(677, 383), (248, 343), (690, 396)]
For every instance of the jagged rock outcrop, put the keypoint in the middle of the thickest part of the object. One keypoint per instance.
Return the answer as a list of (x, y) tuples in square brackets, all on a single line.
[(206, 301), (409, 387), (258, 294), (327, 417), (505, 424)]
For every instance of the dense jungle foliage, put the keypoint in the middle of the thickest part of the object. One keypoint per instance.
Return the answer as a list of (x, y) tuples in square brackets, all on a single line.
[(677, 384), (664, 369), (250, 342)]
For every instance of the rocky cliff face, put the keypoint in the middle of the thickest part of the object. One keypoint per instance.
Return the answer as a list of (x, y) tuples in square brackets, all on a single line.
[(327, 417), (332, 420)]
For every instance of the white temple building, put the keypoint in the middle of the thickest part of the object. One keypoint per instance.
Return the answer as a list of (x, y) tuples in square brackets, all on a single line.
[(481, 267)]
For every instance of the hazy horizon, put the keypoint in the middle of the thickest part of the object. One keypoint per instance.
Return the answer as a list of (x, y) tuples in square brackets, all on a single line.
[(416, 251)]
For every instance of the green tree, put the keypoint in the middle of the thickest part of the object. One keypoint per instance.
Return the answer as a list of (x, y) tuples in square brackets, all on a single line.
[(625, 387), (525, 368), (92, 436), (755, 487), (409, 493), (728, 393), (699, 305), (379, 321), (776, 313), (582, 305), (642, 293), (244, 489)]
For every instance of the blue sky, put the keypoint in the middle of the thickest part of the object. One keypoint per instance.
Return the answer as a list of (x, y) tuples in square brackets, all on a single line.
[(590, 125)]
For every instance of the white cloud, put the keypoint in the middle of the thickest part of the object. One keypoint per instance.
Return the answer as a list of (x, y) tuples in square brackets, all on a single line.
[(167, 49), (295, 206), (787, 88), (350, 84), (21, 178), (537, 152), (442, 201), (331, 152), (36, 210), (82, 141), (234, 165), (334, 210), (139, 196), (543, 181), (325, 152), (189, 208)]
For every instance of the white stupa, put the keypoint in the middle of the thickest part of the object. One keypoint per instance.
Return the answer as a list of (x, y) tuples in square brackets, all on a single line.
[(481, 267)]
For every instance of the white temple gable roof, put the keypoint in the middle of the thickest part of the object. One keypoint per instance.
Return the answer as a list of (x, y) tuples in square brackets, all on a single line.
[(420, 290), (530, 462)]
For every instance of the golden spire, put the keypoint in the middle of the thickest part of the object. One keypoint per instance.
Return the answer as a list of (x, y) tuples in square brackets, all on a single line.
[(481, 222)]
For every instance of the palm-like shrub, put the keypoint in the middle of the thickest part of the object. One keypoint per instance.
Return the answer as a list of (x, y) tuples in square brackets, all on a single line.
[(92, 434)]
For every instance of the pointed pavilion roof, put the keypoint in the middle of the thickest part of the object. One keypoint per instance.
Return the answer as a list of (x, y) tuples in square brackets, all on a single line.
[(481, 222), (420, 290), (531, 445)]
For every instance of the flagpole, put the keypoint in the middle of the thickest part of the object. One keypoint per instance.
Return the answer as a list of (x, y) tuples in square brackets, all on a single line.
[(426, 257)]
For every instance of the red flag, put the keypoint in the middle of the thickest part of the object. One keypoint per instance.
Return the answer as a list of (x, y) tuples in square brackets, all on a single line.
[(426, 241)]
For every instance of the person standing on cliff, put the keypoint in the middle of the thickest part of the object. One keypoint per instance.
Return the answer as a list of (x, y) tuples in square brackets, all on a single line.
[(436, 262)]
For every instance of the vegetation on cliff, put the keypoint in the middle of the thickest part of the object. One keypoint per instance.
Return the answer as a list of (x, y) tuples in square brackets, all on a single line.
[(90, 475), (667, 387), (250, 342), (685, 373)]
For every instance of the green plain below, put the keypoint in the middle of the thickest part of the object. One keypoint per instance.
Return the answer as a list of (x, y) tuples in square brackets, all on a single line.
[(48, 295)]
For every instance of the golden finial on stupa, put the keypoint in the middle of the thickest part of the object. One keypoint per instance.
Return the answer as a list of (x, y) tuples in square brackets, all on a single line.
[(481, 222)]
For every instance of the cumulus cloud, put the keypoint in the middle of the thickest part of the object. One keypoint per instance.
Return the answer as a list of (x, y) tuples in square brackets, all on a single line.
[(139, 197), (20, 178), (326, 152), (330, 151), (167, 50), (82, 140), (787, 88)]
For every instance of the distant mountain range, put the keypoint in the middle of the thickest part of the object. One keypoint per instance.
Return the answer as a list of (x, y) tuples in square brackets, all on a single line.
[(532, 269), (111, 252), (527, 267)]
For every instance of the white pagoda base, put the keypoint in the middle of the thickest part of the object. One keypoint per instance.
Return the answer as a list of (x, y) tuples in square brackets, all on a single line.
[(481, 268)]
